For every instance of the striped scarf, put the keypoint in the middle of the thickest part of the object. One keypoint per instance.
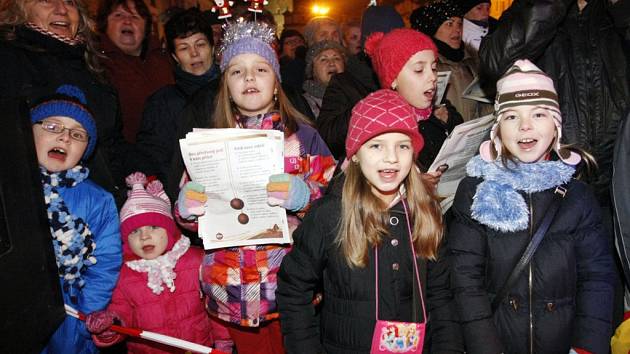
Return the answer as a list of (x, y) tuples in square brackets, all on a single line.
[(71, 236), (71, 41)]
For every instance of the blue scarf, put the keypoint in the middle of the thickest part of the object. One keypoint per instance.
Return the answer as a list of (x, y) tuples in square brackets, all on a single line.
[(497, 202), (72, 239)]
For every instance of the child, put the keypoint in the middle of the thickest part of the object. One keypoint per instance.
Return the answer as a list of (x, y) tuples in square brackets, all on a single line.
[(562, 301), (158, 288), (251, 97), (82, 216), (384, 209), (406, 60)]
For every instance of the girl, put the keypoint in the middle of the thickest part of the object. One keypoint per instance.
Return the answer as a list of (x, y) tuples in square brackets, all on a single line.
[(158, 289), (562, 301), (250, 96), (406, 61), (82, 216), (372, 229)]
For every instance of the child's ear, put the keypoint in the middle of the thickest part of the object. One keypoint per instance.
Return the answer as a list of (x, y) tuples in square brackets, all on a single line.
[(395, 84), (175, 58)]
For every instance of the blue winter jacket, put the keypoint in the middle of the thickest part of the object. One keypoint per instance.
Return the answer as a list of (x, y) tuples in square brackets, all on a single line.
[(97, 208)]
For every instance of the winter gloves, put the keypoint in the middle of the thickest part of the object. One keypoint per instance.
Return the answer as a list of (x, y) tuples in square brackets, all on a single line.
[(99, 323), (191, 201), (287, 191)]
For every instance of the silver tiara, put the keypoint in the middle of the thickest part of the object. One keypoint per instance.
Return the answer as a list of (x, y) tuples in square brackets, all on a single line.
[(239, 29)]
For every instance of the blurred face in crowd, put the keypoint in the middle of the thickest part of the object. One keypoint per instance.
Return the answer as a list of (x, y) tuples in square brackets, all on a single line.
[(125, 27), (290, 45), (58, 16), (450, 32), (481, 12), (417, 80), (352, 39), (327, 31), (193, 53), (61, 151), (251, 83), (328, 63)]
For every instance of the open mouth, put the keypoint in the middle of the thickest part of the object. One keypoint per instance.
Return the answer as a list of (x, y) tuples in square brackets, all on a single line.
[(57, 154), (197, 64), (59, 26), (127, 32), (527, 143), (148, 248), (429, 94), (250, 91), (388, 174)]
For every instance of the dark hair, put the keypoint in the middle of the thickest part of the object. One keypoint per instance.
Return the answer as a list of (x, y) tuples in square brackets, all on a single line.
[(185, 24), (108, 6), (287, 33)]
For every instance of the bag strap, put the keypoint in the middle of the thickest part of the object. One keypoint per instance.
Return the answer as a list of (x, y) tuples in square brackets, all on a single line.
[(558, 194), (415, 266)]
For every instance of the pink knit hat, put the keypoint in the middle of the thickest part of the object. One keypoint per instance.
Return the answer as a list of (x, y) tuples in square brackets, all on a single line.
[(525, 84), (146, 207), (383, 111), (391, 51)]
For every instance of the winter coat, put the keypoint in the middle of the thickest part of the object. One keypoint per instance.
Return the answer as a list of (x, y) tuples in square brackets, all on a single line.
[(434, 132), (342, 93), (34, 65), (348, 306), (97, 208), (563, 299), (248, 293), (583, 54), (462, 74), (135, 78), (161, 120), (621, 197), (180, 314)]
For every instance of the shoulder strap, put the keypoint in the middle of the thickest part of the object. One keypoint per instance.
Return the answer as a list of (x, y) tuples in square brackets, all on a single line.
[(558, 194)]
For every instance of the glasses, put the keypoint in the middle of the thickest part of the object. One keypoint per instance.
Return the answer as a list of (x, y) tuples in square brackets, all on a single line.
[(58, 128)]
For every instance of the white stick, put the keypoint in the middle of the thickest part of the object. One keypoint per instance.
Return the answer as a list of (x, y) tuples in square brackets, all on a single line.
[(175, 342)]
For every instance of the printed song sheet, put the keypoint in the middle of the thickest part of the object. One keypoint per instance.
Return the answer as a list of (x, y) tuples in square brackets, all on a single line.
[(458, 148), (234, 166)]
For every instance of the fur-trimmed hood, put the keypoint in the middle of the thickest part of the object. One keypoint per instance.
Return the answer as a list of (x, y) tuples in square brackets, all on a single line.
[(497, 202)]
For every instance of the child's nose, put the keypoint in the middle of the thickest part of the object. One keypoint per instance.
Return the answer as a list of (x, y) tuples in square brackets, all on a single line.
[(64, 135), (391, 155)]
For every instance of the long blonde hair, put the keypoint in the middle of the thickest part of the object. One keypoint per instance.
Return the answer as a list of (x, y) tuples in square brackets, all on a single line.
[(364, 217), (225, 110), (13, 14)]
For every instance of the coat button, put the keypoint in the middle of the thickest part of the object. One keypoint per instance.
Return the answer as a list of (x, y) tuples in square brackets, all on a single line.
[(395, 266), (393, 221), (551, 306), (394, 242)]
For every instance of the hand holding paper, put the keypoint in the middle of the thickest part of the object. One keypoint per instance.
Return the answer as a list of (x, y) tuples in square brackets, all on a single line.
[(287, 191), (191, 201)]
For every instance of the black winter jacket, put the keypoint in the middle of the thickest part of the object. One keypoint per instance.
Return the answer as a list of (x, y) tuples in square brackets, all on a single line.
[(161, 121), (348, 307), (34, 65), (583, 54), (434, 132), (620, 189), (567, 293)]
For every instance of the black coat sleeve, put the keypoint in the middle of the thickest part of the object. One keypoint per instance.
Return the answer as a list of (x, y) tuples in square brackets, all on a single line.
[(467, 243), (446, 332), (300, 274), (524, 32)]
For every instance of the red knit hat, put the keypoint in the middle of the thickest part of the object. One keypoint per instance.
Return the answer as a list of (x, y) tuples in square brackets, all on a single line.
[(391, 51), (146, 207), (383, 111)]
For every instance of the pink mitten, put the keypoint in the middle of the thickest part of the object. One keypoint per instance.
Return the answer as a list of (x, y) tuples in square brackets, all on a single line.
[(99, 324)]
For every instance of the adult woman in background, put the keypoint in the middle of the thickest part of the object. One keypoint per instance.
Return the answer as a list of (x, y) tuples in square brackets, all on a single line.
[(44, 44)]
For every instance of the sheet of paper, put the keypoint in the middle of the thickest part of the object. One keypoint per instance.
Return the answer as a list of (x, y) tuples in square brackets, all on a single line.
[(234, 166), (458, 148), (442, 83), (474, 92)]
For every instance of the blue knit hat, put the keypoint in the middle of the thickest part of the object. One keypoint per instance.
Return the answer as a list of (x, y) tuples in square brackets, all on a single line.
[(243, 37), (68, 101)]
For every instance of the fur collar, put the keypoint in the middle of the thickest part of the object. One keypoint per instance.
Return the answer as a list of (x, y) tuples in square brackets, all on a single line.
[(497, 202)]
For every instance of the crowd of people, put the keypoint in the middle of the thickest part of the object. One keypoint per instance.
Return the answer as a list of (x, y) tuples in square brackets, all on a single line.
[(532, 256)]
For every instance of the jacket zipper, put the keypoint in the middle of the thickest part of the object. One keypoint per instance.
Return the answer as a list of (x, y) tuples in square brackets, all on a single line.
[(531, 316)]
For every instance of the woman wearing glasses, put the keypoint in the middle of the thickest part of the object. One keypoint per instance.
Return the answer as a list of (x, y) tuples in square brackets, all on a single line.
[(46, 43)]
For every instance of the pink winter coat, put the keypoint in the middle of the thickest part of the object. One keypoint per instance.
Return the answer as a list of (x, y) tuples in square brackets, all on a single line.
[(179, 314)]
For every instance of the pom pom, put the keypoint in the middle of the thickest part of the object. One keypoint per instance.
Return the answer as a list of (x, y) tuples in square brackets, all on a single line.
[(136, 178), (155, 187), (72, 91), (372, 42)]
